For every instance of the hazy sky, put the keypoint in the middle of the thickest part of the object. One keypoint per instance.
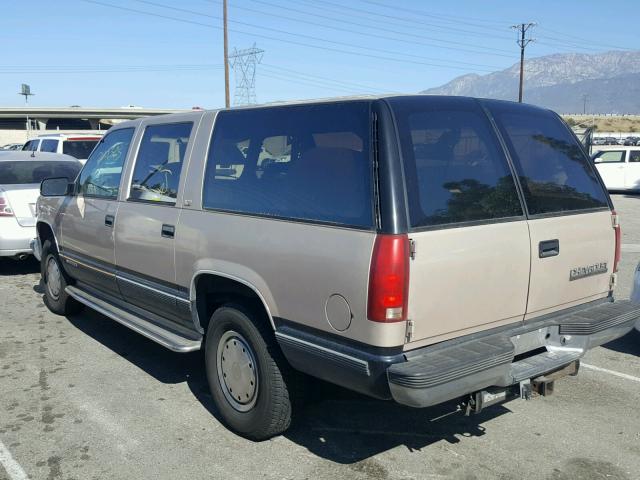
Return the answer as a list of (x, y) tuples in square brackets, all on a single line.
[(163, 53)]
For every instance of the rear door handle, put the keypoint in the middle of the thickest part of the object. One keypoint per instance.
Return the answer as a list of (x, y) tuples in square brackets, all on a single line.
[(549, 248), (168, 231), (108, 220)]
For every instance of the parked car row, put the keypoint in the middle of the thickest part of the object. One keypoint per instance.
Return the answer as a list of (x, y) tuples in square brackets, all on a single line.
[(11, 146), (413, 248), (628, 141)]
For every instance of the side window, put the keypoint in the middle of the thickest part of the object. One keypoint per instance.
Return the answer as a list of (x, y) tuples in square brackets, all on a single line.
[(634, 156), (555, 173), (156, 175), (305, 162), (456, 171), (100, 176), (610, 156), (31, 145), (49, 146)]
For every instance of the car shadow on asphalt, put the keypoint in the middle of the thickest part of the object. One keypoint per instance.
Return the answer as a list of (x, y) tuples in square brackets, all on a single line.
[(629, 344), (11, 266), (335, 423)]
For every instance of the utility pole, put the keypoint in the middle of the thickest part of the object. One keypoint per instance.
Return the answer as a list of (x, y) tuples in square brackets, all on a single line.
[(227, 101), (584, 103), (522, 41)]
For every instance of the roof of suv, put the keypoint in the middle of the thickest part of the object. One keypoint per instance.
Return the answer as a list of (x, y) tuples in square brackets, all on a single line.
[(453, 98)]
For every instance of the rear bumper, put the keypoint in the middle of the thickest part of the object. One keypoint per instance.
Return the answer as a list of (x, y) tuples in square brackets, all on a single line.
[(15, 239), (448, 370), (36, 248)]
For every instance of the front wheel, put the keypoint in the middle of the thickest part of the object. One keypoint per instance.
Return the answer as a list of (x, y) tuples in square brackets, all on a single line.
[(249, 378), (55, 282)]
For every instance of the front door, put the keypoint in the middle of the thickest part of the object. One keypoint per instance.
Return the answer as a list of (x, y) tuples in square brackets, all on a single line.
[(147, 222), (88, 217), (612, 166), (632, 178)]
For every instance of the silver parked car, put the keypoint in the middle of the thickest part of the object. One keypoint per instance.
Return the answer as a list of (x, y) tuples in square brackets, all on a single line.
[(414, 248), (20, 177)]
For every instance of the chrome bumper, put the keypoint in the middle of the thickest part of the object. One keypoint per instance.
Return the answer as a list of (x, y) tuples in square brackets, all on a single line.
[(450, 370)]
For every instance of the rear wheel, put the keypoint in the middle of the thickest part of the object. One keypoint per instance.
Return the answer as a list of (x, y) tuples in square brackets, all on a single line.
[(55, 282), (250, 381)]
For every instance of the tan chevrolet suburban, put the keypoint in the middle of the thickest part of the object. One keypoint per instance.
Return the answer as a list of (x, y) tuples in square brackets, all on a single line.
[(414, 248)]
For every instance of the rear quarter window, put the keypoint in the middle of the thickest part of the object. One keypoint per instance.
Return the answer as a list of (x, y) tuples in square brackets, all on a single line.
[(308, 163), (555, 173)]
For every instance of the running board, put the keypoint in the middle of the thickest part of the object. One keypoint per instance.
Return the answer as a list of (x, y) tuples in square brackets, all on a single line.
[(170, 340)]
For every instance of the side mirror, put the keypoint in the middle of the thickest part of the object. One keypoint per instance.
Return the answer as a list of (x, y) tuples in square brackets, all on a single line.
[(55, 187)]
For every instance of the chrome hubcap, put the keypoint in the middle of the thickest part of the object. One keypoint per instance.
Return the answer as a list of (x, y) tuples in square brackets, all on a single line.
[(54, 282), (237, 372)]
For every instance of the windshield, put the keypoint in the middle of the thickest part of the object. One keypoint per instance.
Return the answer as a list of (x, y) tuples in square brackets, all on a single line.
[(31, 172), (79, 148)]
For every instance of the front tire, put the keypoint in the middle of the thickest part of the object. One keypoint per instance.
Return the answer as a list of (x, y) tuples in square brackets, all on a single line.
[(248, 374), (55, 282)]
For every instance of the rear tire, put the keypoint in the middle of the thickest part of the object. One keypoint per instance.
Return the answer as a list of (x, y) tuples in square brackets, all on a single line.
[(241, 353), (55, 281)]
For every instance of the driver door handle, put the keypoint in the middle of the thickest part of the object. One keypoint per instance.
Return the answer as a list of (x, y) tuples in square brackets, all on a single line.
[(108, 220), (168, 231)]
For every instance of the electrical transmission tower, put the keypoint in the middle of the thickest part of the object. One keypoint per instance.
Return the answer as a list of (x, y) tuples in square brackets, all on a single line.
[(244, 64), (522, 41)]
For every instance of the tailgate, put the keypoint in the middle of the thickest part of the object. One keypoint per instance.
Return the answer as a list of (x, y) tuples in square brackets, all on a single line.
[(22, 199), (580, 270), (468, 279)]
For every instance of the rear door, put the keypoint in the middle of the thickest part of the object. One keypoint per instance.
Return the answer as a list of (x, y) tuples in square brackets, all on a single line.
[(570, 222), (632, 179), (612, 167), (471, 266)]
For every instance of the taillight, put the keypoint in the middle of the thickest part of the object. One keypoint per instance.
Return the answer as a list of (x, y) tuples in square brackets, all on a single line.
[(5, 208), (389, 279), (616, 227)]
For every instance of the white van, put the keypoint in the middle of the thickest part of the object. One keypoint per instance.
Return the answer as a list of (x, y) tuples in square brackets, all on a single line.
[(619, 167), (78, 145)]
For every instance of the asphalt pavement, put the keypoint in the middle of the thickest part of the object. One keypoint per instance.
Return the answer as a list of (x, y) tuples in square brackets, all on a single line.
[(85, 398)]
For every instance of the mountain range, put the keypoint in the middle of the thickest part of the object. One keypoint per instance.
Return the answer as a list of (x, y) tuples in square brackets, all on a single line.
[(610, 80)]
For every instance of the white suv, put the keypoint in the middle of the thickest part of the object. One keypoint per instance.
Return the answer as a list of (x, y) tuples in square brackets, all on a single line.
[(78, 145)]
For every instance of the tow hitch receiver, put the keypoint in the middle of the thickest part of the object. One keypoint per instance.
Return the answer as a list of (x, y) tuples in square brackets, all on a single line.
[(543, 385), (526, 389), (485, 398)]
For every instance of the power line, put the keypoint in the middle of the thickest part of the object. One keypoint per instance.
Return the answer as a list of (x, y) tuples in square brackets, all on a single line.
[(329, 81), (311, 37), (447, 18), (404, 19), (377, 28), (292, 42)]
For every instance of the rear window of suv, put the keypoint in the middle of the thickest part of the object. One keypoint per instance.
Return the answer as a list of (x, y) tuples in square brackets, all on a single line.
[(23, 172), (555, 173), (79, 148), (310, 163), (455, 171)]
